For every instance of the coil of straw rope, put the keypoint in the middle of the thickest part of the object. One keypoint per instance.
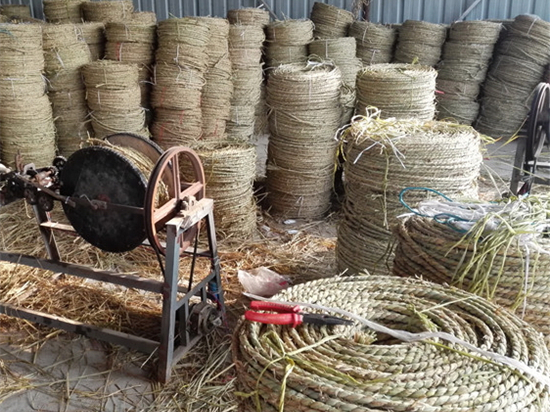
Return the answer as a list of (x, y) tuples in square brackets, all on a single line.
[(330, 21), (374, 41), (144, 17), (177, 127), (355, 368), (377, 169), (287, 41), (300, 165), (20, 50), (107, 10), (72, 125), (241, 123), (15, 10), (475, 32), (500, 254), (248, 16), (94, 36), (63, 11), (398, 90), (420, 42)]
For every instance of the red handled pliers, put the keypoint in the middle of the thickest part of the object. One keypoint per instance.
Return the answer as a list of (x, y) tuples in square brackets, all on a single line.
[(288, 315)]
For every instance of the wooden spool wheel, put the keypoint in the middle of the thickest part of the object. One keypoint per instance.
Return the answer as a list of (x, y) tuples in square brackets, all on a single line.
[(180, 194)]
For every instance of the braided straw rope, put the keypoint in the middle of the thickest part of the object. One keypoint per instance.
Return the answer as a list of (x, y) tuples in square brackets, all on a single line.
[(287, 41), (421, 42), (107, 10), (144, 17), (72, 124), (384, 156), (15, 10), (353, 368), (20, 49), (248, 16), (374, 41), (508, 264), (398, 90), (63, 11), (94, 36), (330, 21)]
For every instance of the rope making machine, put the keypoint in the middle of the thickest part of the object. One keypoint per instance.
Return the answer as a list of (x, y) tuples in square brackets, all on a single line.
[(115, 207)]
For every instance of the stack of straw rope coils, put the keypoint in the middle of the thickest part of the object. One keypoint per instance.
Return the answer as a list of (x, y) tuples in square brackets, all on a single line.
[(398, 90), (181, 62), (287, 41), (134, 42), (463, 68), (382, 157), (15, 10), (375, 42), (341, 52), (26, 121), (245, 51), (420, 42), (218, 90), (93, 34), (504, 257), (518, 66), (65, 52), (113, 96), (108, 10), (63, 11), (248, 16), (329, 21), (354, 368), (300, 165)]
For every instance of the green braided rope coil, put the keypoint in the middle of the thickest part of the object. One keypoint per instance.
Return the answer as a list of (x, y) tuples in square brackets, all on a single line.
[(346, 368)]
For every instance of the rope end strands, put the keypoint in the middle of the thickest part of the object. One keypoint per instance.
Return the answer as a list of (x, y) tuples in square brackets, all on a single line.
[(472, 355)]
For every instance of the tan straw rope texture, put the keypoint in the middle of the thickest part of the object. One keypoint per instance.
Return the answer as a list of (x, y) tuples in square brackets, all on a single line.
[(375, 42), (329, 21), (420, 42)]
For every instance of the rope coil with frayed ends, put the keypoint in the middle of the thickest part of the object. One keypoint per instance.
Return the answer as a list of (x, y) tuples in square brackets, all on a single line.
[(374, 41), (426, 351), (329, 21), (287, 41), (93, 35)]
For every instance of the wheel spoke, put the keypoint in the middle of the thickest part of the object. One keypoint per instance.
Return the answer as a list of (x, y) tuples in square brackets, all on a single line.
[(176, 176)]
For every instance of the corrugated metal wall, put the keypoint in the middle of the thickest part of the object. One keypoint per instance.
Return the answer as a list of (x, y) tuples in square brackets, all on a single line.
[(382, 11)]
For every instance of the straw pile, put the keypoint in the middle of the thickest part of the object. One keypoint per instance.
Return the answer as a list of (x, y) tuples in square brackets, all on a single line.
[(287, 41), (517, 68), (218, 90), (230, 169), (245, 51), (63, 11), (134, 42), (300, 165), (382, 158), (503, 256), (341, 52), (113, 96), (178, 80), (65, 52), (398, 90), (94, 36), (106, 11), (26, 122), (329, 21), (374, 41), (420, 42), (15, 10), (465, 61), (248, 16), (456, 365)]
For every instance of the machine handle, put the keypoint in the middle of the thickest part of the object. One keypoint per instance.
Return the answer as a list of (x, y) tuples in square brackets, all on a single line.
[(274, 307), (292, 319)]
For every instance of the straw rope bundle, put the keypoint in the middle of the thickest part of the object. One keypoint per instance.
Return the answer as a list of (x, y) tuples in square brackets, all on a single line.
[(420, 42), (353, 368), (398, 90), (21, 49), (177, 127), (15, 10), (71, 119), (30, 85), (260, 113), (107, 10), (330, 21), (464, 66), (63, 48), (503, 256), (230, 169), (384, 156), (300, 165), (248, 16), (94, 36), (287, 41), (144, 17), (519, 62), (63, 11), (113, 95), (241, 123), (374, 41)]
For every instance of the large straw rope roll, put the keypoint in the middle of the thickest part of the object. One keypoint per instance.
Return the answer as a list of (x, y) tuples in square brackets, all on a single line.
[(384, 156), (290, 32), (14, 87), (245, 37), (248, 16), (282, 54), (342, 52), (63, 11), (458, 88), (177, 127), (127, 121), (175, 98), (64, 48), (107, 10), (144, 17), (532, 27), (420, 41), (330, 21), (246, 85), (230, 169), (172, 75), (465, 62), (139, 53), (110, 74), (65, 79), (113, 99), (510, 268), (94, 35), (353, 368), (501, 118), (398, 90), (131, 32), (459, 109), (522, 46), (188, 30), (374, 41), (15, 10), (20, 49), (348, 100), (241, 122), (475, 31)]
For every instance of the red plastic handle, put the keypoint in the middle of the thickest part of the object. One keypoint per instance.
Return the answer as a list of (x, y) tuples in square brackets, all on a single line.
[(274, 307), (292, 319)]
